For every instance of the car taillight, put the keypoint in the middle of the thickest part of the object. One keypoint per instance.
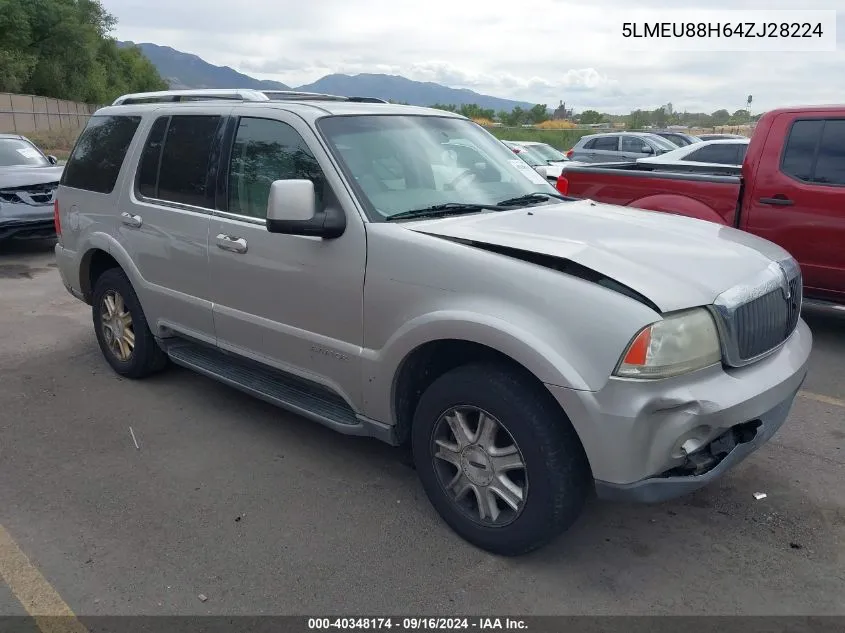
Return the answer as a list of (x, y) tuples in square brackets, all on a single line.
[(57, 222), (562, 185), (570, 153)]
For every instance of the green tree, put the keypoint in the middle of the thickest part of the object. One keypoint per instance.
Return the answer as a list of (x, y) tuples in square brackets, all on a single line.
[(590, 117), (659, 117), (539, 113), (638, 119), (720, 117), (62, 49)]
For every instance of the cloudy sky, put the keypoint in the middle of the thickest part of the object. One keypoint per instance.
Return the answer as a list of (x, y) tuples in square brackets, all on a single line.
[(542, 51)]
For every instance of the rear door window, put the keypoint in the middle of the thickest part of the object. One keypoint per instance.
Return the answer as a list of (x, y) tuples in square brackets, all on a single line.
[(830, 162), (98, 155), (801, 145), (177, 158), (815, 151), (634, 145), (606, 143)]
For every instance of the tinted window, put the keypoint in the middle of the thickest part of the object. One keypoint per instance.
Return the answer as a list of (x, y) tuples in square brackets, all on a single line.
[(801, 148), (20, 152), (150, 159), (830, 163), (98, 155), (633, 144), (184, 174), (265, 150), (607, 143), (723, 154)]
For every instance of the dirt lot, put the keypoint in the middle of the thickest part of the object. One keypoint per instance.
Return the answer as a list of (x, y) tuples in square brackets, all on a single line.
[(263, 512)]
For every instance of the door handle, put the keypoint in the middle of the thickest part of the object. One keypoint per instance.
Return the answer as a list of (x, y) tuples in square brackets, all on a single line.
[(130, 220), (232, 244), (780, 201)]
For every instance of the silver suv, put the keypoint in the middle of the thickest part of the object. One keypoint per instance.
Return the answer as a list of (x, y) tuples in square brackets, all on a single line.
[(619, 147), (338, 258)]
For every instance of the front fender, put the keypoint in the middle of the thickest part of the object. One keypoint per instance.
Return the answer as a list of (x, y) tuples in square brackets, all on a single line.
[(381, 366)]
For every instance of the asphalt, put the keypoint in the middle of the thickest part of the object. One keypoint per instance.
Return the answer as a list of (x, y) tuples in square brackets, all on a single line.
[(263, 512)]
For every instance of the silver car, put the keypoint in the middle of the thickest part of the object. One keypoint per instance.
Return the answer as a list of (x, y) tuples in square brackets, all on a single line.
[(333, 257), (619, 147)]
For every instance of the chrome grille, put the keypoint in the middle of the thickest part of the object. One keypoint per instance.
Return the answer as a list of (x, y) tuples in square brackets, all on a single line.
[(755, 319)]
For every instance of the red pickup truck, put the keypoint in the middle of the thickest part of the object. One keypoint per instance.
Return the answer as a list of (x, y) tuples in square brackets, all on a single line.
[(790, 190)]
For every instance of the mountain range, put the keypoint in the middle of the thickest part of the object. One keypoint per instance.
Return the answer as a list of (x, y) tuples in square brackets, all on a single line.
[(185, 70)]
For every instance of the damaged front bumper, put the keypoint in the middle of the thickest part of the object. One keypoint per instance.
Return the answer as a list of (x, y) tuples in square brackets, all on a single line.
[(650, 441), (27, 213)]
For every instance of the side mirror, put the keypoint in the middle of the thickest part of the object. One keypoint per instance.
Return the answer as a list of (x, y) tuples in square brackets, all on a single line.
[(292, 210), (647, 150), (53, 160), (541, 169)]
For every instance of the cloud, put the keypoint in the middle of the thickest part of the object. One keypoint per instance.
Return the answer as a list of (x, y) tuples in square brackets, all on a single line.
[(544, 51)]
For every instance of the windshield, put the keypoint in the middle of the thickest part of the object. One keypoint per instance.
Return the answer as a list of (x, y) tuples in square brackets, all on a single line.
[(662, 143), (548, 152), (16, 152), (403, 163), (531, 157)]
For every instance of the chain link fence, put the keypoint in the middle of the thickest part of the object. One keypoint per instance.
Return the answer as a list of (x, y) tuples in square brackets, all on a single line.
[(25, 114)]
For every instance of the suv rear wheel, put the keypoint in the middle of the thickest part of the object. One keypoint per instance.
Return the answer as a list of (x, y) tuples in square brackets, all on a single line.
[(498, 460), (121, 327)]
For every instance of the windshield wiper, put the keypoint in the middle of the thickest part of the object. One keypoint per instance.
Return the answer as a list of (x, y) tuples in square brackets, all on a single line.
[(442, 210), (531, 198)]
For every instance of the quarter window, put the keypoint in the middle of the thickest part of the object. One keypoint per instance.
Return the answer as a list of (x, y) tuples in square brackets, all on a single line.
[(98, 155), (264, 151)]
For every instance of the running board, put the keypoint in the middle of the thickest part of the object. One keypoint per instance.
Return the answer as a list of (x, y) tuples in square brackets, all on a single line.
[(294, 394)]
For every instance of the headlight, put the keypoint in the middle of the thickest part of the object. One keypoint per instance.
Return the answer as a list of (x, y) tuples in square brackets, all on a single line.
[(678, 344)]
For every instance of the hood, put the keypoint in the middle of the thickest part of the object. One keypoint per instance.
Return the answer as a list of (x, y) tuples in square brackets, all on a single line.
[(13, 177), (674, 261)]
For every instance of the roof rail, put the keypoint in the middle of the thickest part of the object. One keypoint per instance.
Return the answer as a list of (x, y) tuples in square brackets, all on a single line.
[(169, 96), (230, 94)]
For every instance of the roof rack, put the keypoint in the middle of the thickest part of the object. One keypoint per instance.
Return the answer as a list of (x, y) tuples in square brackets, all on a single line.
[(228, 94)]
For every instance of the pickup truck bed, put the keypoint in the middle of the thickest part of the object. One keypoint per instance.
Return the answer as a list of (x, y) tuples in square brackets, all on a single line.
[(790, 190)]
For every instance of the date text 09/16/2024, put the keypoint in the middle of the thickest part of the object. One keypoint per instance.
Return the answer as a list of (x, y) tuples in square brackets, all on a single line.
[(417, 623), (667, 30)]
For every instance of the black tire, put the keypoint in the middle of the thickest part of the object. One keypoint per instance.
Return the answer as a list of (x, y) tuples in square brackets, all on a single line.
[(558, 473), (147, 357)]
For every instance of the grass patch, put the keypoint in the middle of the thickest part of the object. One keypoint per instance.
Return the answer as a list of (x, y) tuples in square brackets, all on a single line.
[(559, 139), (56, 142)]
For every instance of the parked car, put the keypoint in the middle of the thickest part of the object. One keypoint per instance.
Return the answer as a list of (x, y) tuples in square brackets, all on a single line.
[(613, 147), (677, 138), (546, 151), (790, 190), (706, 153), (530, 348), (719, 137), (28, 181), (542, 166)]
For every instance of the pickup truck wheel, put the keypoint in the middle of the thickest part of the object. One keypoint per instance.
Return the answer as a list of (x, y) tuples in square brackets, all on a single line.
[(498, 460), (121, 328)]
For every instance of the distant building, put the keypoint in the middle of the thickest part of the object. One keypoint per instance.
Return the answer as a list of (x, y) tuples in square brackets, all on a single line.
[(561, 113)]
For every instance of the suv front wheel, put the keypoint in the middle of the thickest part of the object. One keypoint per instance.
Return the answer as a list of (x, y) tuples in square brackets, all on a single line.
[(121, 327), (498, 460)]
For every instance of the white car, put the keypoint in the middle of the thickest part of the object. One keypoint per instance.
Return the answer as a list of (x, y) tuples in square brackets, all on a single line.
[(550, 170), (721, 153)]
